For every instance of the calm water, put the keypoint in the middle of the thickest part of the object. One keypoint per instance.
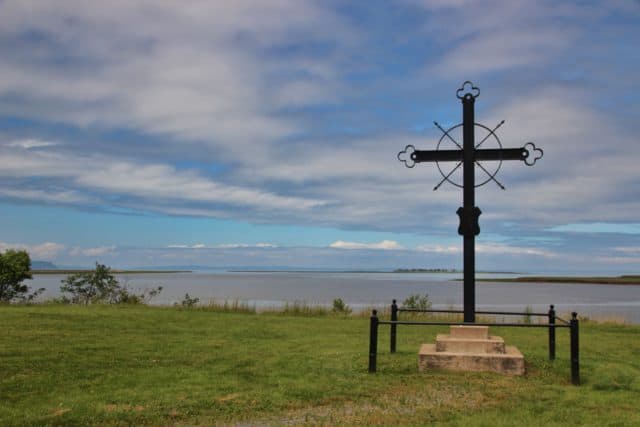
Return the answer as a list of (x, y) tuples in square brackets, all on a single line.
[(367, 289)]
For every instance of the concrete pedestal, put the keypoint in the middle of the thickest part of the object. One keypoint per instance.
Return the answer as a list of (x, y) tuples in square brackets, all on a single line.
[(471, 348)]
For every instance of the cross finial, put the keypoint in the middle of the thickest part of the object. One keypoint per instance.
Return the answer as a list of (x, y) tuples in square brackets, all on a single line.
[(531, 153), (407, 157), (468, 90)]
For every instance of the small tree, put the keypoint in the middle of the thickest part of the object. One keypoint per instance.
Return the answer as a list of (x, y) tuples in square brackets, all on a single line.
[(417, 302), (98, 285), (101, 286), (15, 267), (189, 301), (340, 306)]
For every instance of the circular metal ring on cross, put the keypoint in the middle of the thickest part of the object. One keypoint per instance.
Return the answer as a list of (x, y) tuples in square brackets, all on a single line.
[(490, 175)]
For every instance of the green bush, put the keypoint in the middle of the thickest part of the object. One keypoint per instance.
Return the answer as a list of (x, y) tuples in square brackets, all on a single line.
[(418, 302), (339, 306), (15, 267), (101, 286), (188, 301)]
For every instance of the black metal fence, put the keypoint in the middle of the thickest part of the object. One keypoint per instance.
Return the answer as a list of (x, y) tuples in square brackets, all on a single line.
[(554, 322)]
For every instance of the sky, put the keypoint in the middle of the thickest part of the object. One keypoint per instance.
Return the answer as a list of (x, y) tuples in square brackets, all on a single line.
[(253, 133)]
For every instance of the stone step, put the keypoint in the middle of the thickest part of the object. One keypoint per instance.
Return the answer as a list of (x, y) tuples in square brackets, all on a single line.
[(511, 362), (473, 332), (493, 344)]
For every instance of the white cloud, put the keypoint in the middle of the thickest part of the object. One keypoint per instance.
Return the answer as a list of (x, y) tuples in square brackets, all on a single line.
[(161, 182), (628, 249), (92, 252), (196, 246), (41, 251), (499, 35), (225, 246), (440, 249), (623, 255), (497, 248), (245, 245), (501, 50), (64, 196), (599, 227), (164, 182), (487, 248), (620, 260), (30, 143), (385, 245), (200, 71)]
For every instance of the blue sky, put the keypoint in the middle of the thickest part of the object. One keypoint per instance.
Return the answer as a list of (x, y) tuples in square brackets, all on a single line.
[(265, 133)]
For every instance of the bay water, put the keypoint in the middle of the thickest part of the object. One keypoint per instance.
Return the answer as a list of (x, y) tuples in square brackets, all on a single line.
[(377, 289)]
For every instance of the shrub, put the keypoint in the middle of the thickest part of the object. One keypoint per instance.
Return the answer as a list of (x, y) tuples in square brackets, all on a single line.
[(418, 302), (339, 306), (126, 296), (527, 314), (101, 286), (189, 301), (15, 267)]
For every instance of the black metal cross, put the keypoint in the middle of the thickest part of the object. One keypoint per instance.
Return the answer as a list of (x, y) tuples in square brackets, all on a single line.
[(468, 155)]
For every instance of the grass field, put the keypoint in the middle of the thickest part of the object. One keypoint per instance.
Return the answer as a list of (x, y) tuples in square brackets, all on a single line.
[(137, 365)]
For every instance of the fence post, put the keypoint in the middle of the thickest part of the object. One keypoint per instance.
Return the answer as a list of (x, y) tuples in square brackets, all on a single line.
[(394, 318), (552, 333), (373, 341), (575, 349)]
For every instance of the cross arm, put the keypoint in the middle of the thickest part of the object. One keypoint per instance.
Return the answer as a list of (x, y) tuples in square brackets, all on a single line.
[(502, 154), (522, 153)]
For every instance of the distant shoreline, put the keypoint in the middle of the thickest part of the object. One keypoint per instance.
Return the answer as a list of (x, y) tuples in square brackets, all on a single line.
[(398, 271), (446, 271), (306, 271), (618, 280), (112, 271)]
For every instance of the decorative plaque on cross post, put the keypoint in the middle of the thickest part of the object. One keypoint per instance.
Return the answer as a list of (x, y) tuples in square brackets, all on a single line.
[(469, 155)]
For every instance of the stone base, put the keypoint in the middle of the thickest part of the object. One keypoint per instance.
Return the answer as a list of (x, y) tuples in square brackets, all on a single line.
[(511, 362), (447, 343), (469, 332), (471, 348)]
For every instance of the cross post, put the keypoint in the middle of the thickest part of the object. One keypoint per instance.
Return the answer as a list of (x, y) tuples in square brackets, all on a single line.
[(468, 156), (470, 213)]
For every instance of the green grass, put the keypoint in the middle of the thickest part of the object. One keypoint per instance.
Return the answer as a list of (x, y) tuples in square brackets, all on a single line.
[(137, 365)]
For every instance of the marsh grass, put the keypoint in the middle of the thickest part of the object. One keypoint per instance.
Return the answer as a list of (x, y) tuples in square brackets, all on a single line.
[(137, 365), (300, 308), (233, 306)]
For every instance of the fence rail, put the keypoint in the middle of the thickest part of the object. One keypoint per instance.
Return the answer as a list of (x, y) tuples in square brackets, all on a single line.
[(572, 325), (512, 313)]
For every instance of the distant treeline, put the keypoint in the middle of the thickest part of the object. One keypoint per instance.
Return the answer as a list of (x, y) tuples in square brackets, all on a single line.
[(617, 280), (113, 271)]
